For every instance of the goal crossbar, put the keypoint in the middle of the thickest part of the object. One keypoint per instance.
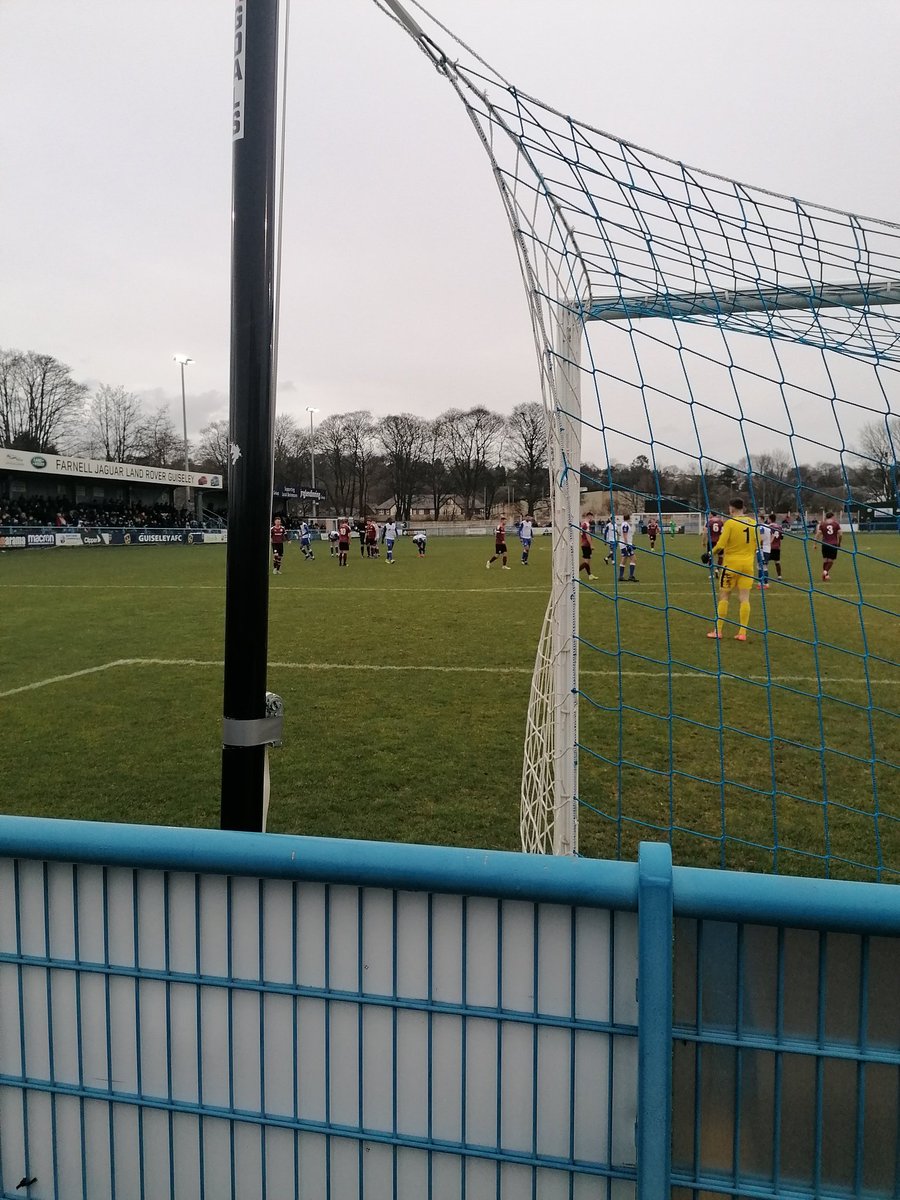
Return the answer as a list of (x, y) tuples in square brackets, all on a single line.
[(722, 302)]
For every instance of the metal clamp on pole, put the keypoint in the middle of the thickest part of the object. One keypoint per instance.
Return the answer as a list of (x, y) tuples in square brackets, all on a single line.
[(260, 731)]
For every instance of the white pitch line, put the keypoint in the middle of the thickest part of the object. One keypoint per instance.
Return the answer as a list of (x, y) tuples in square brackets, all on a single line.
[(32, 687), (449, 670), (645, 589)]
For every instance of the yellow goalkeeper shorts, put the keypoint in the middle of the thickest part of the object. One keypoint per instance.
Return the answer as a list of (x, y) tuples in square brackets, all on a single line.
[(737, 573)]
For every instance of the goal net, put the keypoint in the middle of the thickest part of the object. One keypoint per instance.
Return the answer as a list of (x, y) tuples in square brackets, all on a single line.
[(701, 340)]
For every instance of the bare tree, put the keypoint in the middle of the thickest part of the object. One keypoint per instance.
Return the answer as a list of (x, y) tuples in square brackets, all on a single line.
[(472, 440), (819, 487), (493, 486), (291, 445), (434, 467), (772, 481), (879, 446), (403, 438), (337, 463), (526, 431), (12, 417), (158, 444), (361, 448), (114, 424), (41, 402), (213, 448)]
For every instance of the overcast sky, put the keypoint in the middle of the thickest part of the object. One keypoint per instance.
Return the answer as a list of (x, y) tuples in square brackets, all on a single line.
[(401, 290)]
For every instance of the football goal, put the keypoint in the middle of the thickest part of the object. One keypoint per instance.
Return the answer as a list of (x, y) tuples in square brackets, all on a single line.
[(700, 341)]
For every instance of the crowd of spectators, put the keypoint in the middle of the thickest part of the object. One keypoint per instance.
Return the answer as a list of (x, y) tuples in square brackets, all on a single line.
[(59, 512)]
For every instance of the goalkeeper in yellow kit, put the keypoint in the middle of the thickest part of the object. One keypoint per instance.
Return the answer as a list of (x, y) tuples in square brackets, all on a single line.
[(738, 545)]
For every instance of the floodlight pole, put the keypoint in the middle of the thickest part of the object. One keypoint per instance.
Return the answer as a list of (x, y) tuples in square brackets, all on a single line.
[(247, 729), (183, 360)]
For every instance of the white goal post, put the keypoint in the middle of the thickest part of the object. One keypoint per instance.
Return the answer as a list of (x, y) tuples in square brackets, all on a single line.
[(549, 803)]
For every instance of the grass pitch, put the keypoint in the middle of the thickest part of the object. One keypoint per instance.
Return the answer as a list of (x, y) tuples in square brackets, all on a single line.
[(406, 687)]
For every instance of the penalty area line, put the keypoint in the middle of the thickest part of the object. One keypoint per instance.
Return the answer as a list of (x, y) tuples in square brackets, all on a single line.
[(708, 676), (41, 683)]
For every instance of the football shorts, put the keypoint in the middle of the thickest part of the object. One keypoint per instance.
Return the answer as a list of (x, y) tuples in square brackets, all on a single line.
[(737, 575)]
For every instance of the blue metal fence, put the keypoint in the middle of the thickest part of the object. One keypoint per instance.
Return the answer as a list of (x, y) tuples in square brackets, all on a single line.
[(197, 1013)]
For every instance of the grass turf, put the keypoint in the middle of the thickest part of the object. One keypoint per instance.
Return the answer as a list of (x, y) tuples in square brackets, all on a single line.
[(406, 687)]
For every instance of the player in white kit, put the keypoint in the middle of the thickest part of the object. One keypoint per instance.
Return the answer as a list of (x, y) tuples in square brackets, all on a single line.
[(390, 536), (526, 534), (764, 530), (626, 549), (611, 537), (306, 541)]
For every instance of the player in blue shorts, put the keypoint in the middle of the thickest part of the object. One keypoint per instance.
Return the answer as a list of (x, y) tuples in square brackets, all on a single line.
[(626, 548), (526, 534), (611, 538), (306, 541), (390, 536)]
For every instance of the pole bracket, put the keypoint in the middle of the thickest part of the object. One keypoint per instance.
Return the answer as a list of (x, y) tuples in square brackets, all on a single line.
[(257, 731)]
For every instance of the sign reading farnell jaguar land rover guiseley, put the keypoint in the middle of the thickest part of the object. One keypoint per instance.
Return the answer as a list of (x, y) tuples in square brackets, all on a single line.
[(96, 468)]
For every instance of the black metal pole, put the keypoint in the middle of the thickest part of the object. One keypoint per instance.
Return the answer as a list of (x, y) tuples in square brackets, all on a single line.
[(252, 411)]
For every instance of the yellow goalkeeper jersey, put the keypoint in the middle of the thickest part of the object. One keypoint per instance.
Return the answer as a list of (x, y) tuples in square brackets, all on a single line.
[(739, 542)]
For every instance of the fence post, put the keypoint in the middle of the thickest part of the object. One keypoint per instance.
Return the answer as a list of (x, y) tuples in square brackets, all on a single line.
[(655, 929)]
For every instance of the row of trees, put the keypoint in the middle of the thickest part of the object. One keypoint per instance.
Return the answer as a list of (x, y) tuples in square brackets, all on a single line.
[(776, 482), (360, 460), (40, 402), (473, 455), (44, 409)]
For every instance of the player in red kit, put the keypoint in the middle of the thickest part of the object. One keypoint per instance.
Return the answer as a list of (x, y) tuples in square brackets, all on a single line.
[(587, 549), (777, 538), (343, 541), (652, 532), (276, 536), (829, 534), (713, 531), (500, 550), (714, 526)]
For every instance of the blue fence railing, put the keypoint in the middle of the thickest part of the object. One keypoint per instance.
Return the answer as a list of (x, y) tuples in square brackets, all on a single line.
[(192, 1012)]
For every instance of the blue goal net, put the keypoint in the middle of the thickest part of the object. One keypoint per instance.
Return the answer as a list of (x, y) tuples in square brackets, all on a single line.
[(703, 342)]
